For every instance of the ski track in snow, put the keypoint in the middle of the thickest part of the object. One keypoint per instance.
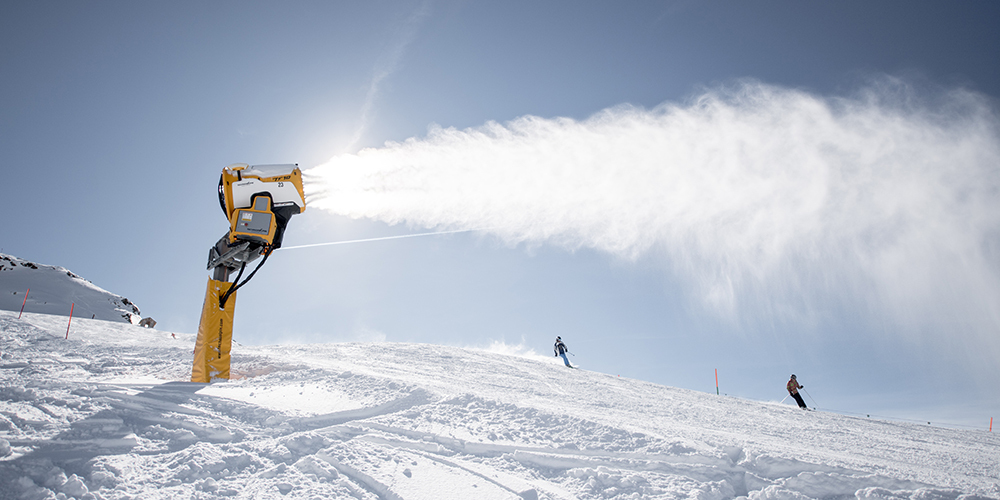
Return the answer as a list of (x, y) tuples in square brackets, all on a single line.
[(108, 414)]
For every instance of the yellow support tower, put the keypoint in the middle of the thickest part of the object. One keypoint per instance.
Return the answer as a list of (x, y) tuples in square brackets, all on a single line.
[(215, 335)]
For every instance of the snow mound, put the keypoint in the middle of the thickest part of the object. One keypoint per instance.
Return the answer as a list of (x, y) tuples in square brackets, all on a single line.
[(54, 289), (108, 414)]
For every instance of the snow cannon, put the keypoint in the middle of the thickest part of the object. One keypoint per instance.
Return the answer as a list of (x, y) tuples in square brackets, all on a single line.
[(242, 188), (258, 201)]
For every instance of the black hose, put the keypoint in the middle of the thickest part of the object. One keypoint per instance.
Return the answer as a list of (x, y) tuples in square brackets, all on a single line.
[(238, 284), (225, 296)]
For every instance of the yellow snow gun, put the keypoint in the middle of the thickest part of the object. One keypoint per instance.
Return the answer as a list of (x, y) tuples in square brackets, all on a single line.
[(241, 188), (258, 201)]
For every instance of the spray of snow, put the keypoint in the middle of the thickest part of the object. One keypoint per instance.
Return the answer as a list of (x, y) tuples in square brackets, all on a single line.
[(772, 205), (521, 349)]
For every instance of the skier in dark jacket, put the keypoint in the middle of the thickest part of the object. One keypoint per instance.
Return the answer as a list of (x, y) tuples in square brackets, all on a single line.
[(793, 390), (561, 350)]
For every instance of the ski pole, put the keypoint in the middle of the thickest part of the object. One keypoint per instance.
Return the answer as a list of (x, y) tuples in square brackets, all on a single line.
[(783, 400), (810, 397)]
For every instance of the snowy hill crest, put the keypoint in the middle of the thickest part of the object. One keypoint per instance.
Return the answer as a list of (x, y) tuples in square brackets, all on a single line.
[(54, 289), (107, 415)]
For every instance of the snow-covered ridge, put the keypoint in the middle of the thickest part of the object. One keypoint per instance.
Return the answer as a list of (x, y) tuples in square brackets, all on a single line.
[(107, 414), (54, 289)]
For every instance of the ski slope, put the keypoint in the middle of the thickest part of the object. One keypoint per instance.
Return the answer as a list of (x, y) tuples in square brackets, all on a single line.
[(108, 414), (55, 290)]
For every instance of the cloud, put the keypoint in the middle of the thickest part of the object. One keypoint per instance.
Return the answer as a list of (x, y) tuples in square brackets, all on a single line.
[(386, 65)]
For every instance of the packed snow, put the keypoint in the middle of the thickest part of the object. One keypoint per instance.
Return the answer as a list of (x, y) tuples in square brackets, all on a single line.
[(103, 409), (108, 414)]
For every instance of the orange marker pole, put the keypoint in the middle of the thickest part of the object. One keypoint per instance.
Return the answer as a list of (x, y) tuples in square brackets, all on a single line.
[(25, 301), (70, 319), (716, 381), (991, 424)]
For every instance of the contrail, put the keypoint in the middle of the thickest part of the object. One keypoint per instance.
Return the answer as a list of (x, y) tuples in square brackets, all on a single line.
[(346, 242), (773, 206), (386, 66)]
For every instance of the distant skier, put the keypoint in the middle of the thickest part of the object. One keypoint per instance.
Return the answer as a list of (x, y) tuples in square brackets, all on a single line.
[(561, 350), (793, 389)]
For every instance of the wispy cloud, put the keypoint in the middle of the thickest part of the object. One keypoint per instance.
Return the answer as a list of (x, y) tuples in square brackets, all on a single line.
[(386, 65)]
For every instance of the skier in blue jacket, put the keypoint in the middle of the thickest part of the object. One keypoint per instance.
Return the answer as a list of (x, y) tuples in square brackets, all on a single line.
[(561, 350)]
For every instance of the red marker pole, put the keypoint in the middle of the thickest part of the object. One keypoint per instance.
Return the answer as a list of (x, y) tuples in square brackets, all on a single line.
[(716, 381), (70, 319), (25, 301)]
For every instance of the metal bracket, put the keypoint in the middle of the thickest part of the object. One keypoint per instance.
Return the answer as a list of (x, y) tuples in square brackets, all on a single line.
[(226, 259)]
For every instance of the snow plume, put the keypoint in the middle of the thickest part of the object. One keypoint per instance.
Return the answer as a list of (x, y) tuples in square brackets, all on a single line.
[(773, 205), (520, 349)]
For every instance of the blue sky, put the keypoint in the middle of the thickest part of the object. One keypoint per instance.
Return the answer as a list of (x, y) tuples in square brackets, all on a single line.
[(117, 118)]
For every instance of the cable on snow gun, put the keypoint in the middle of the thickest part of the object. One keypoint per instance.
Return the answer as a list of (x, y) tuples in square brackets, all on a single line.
[(258, 201)]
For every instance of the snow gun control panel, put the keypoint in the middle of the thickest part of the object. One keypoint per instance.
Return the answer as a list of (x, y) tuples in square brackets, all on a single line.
[(255, 223), (258, 201)]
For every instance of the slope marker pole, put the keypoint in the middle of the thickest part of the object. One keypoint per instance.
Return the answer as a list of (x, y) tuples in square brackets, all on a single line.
[(71, 306), (25, 301), (716, 381), (991, 424)]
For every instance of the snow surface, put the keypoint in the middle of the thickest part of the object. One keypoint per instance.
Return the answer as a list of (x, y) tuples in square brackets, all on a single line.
[(108, 414), (55, 289)]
